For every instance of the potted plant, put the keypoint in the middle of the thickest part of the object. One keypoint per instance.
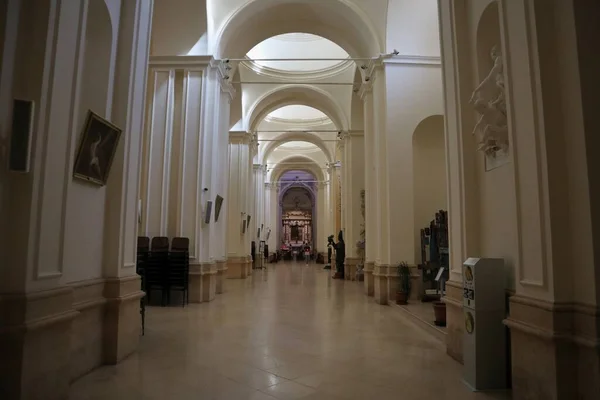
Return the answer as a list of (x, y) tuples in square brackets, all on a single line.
[(439, 308), (404, 283)]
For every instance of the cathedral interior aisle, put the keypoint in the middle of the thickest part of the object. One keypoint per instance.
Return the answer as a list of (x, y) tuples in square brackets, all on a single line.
[(288, 332)]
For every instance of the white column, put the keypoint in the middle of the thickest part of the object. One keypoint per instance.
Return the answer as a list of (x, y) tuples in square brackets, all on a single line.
[(258, 189), (259, 206), (239, 173), (341, 187), (320, 242), (382, 257), (272, 209), (371, 231), (354, 180), (156, 160), (183, 166), (330, 221)]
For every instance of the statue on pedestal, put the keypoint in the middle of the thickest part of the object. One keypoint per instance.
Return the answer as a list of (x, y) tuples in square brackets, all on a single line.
[(489, 101)]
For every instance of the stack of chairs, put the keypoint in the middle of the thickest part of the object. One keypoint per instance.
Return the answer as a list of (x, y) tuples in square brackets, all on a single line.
[(143, 253), (156, 268), (179, 268)]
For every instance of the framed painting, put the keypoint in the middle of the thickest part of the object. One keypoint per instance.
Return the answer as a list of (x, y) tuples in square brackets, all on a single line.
[(218, 204), (97, 148)]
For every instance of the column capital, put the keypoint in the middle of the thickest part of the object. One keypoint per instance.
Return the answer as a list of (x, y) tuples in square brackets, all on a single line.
[(240, 137), (331, 167), (253, 143), (343, 136), (370, 71)]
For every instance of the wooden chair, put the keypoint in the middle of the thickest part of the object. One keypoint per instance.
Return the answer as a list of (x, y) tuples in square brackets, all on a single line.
[(157, 266), (143, 251), (179, 268)]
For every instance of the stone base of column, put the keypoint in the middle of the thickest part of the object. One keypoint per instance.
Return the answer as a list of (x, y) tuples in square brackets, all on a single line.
[(237, 268), (221, 275), (122, 320), (369, 279), (380, 284), (455, 320), (203, 283), (555, 349), (249, 265), (386, 282), (350, 267), (29, 323), (87, 329)]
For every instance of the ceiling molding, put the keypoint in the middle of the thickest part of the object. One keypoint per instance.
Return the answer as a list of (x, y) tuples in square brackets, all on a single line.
[(298, 75), (299, 121), (297, 37)]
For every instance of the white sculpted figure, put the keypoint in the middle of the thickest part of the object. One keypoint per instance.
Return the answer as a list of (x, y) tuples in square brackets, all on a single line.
[(488, 99)]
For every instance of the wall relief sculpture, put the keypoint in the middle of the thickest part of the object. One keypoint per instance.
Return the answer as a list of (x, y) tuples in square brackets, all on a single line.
[(489, 101)]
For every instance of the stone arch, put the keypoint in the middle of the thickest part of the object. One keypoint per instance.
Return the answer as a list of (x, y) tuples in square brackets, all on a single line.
[(310, 191), (340, 21), (304, 164), (296, 95), (300, 137)]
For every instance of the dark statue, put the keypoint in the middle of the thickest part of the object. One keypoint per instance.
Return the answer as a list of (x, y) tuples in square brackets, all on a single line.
[(340, 255)]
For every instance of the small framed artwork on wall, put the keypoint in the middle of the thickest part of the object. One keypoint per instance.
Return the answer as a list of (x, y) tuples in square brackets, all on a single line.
[(97, 149), (218, 204)]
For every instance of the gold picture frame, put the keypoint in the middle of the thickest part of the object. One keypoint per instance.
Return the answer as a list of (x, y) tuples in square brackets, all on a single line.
[(97, 148)]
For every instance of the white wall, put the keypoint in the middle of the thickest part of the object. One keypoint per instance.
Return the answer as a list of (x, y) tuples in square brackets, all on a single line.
[(414, 92), (66, 222), (412, 28), (84, 225), (179, 27)]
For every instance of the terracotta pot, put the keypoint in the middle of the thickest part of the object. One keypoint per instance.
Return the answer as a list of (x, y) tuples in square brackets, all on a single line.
[(439, 308), (401, 298)]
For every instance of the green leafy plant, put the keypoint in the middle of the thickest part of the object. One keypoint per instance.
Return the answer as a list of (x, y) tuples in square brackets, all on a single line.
[(404, 284)]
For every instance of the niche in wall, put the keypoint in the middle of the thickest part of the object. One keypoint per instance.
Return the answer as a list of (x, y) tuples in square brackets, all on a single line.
[(488, 99), (84, 224), (429, 174)]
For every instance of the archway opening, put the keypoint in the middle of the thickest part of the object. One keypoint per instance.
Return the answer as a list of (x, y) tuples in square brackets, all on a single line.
[(429, 189), (336, 20), (303, 51), (297, 211)]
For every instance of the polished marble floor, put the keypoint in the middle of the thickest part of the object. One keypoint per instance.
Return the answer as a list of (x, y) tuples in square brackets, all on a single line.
[(289, 332)]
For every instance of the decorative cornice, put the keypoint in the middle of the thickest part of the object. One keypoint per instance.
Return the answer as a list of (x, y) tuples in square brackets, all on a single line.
[(180, 62), (240, 137), (299, 121), (414, 60)]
